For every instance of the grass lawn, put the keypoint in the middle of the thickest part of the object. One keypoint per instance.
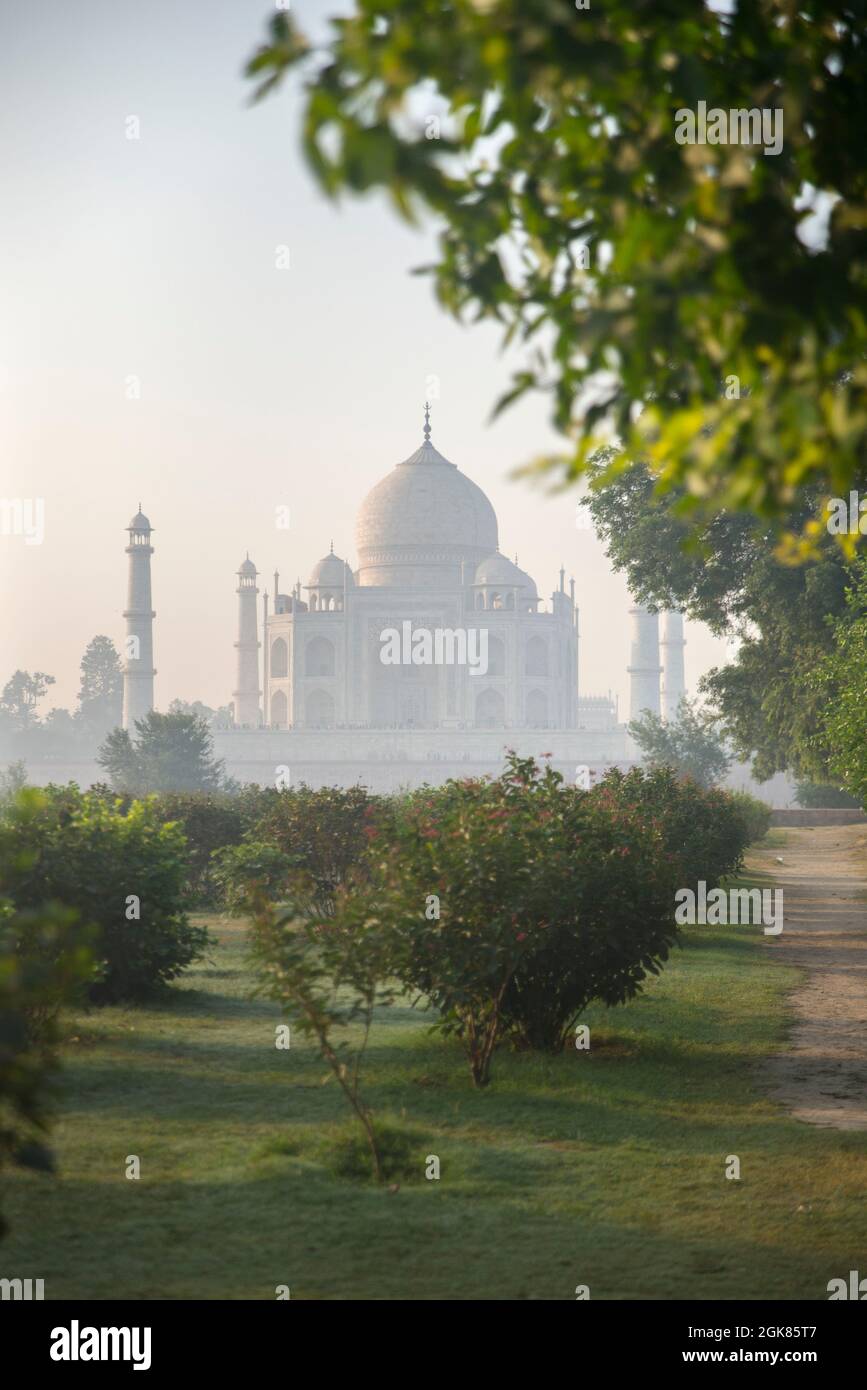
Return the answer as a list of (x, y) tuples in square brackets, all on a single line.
[(603, 1168)]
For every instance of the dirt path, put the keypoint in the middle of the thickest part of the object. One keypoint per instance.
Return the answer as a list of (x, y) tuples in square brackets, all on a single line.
[(822, 1076)]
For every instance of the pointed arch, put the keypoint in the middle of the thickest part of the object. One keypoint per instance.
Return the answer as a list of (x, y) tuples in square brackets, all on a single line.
[(279, 658), (279, 710)]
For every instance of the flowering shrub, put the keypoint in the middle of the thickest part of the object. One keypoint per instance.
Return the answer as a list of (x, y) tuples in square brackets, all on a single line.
[(516, 901), (547, 896), (322, 832), (509, 903), (704, 831)]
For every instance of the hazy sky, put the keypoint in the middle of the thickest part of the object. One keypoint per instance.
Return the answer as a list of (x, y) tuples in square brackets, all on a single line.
[(259, 387)]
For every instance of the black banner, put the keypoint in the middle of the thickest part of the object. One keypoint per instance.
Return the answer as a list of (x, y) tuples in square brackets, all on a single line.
[(236, 1337)]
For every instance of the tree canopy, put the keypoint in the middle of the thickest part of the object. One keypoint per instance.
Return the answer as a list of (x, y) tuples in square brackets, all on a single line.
[(171, 752), (20, 697), (704, 304), (728, 573), (689, 744), (841, 685), (100, 695)]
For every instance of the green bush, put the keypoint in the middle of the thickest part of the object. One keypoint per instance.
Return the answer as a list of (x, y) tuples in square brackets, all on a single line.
[(210, 821), (323, 832), (243, 874), (514, 902), (703, 831), (548, 896), (44, 962), (123, 871), (611, 920), (755, 814), (508, 903)]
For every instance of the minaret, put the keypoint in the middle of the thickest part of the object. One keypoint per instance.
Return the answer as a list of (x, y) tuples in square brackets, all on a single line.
[(673, 679), (246, 695), (138, 671), (644, 668)]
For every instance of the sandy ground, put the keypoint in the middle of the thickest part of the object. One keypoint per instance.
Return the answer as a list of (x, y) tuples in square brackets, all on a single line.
[(821, 1077)]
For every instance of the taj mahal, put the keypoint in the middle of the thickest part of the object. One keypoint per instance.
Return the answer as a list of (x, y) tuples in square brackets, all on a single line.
[(318, 700)]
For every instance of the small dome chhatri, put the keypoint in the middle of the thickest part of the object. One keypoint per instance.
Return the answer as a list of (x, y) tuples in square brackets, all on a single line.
[(328, 573), (139, 522), (500, 570)]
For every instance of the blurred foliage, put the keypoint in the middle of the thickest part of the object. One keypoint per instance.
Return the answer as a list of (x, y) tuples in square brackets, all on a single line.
[(44, 961), (823, 795), (647, 273)]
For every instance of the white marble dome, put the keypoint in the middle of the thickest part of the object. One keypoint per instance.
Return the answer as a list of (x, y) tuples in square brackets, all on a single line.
[(420, 523), (498, 571), (328, 573)]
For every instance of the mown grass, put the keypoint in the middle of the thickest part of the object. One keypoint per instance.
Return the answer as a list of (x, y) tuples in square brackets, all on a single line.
[(604, 1168)]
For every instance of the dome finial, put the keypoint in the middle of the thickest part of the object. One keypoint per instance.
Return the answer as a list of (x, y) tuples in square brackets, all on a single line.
[(426, 423), (332, 547)]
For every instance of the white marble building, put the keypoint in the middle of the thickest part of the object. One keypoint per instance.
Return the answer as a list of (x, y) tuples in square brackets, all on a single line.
[(314, 692), (428, 556)]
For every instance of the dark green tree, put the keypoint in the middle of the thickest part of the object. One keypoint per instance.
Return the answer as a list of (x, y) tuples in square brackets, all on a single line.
[(730, 573), (840, 684), (170, 753), (824, 795), (100, 695), (705, 301)]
